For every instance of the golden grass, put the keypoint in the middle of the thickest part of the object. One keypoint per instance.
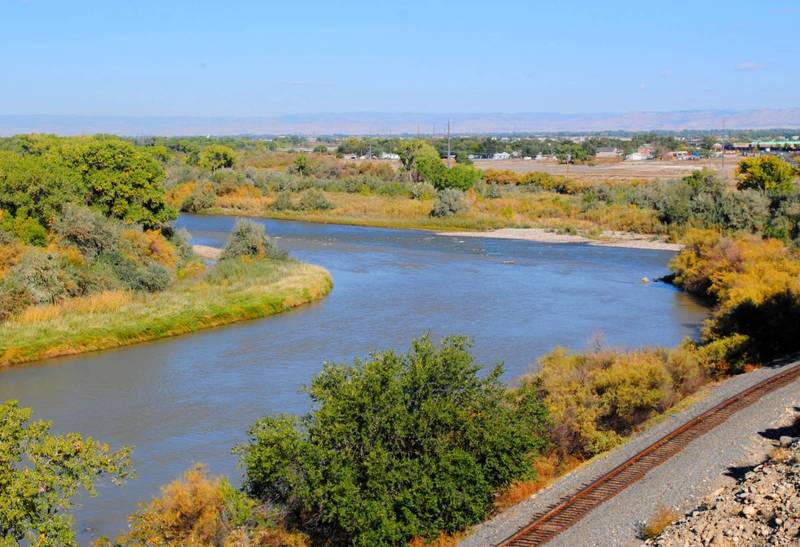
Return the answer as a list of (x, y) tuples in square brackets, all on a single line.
[(657, 523), (518, 210), (549, 467), (86, 305), (111, 320)]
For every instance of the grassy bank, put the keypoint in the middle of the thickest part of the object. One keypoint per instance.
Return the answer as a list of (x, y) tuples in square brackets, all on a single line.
[(563, 213), (239, 291)]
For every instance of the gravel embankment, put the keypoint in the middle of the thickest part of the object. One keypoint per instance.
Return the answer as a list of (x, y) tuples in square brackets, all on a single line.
[(703, 466), (762, 509)]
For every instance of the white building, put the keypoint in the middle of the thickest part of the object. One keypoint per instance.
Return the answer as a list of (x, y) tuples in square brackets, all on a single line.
[(501, 156)]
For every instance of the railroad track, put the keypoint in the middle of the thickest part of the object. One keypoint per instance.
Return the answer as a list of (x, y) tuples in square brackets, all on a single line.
[(546, 526)]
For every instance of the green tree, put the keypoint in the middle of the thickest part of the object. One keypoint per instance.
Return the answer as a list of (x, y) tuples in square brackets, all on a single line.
[(419, 159), (120, 180), (302, 166), (397, 445), (765, 173), (40, 473), (461, 177), (35, 186), (217, 156)]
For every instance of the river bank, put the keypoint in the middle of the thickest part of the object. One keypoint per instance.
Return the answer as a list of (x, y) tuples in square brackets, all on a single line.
[(468, 226), (626, 240), (120, 318)]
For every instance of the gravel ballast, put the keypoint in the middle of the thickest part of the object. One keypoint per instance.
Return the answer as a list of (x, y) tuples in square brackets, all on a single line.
[(706, 464)]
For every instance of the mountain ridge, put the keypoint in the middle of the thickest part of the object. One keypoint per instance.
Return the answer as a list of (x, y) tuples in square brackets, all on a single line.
[(381, 123)]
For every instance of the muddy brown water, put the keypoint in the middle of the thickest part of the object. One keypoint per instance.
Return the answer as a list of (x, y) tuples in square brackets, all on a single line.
[(190, 399)]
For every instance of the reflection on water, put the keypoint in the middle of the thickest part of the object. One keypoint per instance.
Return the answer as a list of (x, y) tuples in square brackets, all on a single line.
[(192, 398)]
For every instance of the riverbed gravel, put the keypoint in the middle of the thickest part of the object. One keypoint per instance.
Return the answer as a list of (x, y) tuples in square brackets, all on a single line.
[(708, 463)]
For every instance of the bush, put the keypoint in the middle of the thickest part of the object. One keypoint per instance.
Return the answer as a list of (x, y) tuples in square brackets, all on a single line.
[(397, 446), (283, 202), (461, 176), (216, 157), (314, 200), (43, 276), (140, 275), (422, 190), (202, 197), (200, 510), (13, 298), (598, 397), (448, 202), (88, 231), (249, 239)]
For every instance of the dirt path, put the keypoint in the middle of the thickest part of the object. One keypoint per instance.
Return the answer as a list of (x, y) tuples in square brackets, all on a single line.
[(706, 464)]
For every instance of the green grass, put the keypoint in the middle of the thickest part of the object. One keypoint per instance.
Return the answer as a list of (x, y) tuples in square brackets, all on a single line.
[(231, 292)]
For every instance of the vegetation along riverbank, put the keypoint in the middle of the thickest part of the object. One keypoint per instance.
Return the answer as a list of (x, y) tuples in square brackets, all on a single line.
[(421, 190), (89, 261), (399, 447)]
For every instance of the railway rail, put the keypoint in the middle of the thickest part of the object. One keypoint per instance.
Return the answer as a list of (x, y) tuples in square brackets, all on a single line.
[(547, 525)]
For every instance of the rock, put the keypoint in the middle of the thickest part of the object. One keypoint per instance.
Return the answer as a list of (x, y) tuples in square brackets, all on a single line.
[(786, 441)]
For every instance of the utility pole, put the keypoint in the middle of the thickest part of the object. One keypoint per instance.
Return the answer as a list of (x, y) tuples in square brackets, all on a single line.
[(722, 163), (448, 144)]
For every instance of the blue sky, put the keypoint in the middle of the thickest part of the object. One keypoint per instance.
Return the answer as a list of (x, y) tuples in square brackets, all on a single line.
[(251, 58)]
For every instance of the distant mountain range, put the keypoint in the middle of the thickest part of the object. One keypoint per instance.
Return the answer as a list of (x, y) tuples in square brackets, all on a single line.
[(377, 123)]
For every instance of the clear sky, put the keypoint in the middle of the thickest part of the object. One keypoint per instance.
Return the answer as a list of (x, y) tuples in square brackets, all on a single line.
[(252, 58)]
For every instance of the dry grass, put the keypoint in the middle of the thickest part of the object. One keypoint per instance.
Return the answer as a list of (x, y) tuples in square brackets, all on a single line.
[(111, 320), (443, 540), (87, 305), (548, 468), (661, 518), (513, 210)]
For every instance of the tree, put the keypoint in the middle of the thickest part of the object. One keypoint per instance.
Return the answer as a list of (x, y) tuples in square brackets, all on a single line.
[(37, 187), (397, 445), (217, 156), (461, 177), (415, 152), (765, 173), (302, 166), (120, 180), (40, 473)]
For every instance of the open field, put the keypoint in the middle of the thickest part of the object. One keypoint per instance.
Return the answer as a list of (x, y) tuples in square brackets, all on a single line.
[(109, 320), (617, 170)]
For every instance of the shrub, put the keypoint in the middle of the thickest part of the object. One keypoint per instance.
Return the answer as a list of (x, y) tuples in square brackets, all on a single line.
[(140, 275), (43, 276), (756, 284), (200, 510), (13, 298), (658, 522), (461, 176), (596, 398), (88, 231), (202, 197), (314, 200), (448, 202), (249, 239), (397, 446), (216, 157), (422, 190), (283, 202)]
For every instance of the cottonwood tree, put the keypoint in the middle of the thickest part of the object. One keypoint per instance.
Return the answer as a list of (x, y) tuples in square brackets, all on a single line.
[(40, 474)]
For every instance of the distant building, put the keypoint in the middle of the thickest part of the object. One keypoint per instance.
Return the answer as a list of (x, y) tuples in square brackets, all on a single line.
[(644, 152), (501, 156), (390, 156), (607, 152)]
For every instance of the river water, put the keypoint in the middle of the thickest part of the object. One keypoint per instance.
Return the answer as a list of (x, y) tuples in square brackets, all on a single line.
[(190, 399)]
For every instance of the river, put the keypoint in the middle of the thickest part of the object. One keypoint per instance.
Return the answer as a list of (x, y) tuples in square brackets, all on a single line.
[(190, 399)]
